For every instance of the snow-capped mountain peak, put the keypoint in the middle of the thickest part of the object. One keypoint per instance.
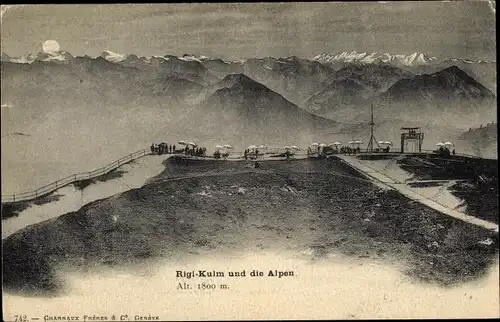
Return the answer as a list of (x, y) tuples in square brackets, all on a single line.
[(112, 56), (414, 59), (60, 56), (187, 57)]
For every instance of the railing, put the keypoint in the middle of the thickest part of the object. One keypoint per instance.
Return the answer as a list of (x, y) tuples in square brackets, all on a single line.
[(262, 153), (23, 196), (424, 151)]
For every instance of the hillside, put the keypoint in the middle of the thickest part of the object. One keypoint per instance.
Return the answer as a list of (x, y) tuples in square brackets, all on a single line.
[(451, 84), (352, 89), (232, 207), (483, 71), (436, 98), (482, 140), (292, 77), (247, 111)]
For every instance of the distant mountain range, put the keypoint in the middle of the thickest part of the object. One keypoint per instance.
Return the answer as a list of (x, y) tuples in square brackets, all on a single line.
[(256, 97), (409, 60), (419, 63)]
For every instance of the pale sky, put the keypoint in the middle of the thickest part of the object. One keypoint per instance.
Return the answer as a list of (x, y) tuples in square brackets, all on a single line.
[(464, 29)]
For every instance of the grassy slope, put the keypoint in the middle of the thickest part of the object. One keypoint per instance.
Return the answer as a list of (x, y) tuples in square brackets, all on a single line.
[(230, 206)]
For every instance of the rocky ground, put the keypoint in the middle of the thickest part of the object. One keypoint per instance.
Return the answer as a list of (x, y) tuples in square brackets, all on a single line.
[(201, 207)]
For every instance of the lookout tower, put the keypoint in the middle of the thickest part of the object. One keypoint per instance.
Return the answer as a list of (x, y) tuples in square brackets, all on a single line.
[(411, 139)]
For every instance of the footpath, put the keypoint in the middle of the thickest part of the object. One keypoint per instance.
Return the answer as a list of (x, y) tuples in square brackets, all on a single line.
[(406, 191)]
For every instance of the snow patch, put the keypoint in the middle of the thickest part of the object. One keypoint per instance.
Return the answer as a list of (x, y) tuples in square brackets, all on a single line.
[(487, 242), (58, 56), (112, 56), (189, 58), (199, 59)]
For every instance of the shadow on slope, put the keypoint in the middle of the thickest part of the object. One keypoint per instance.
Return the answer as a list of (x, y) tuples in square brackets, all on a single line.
[(13, 209), (479, 193)]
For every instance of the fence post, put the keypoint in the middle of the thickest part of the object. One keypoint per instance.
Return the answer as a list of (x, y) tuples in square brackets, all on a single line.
[(56, 183)]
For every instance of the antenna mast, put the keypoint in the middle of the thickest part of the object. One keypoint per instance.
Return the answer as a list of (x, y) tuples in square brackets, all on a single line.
[(372, 141)]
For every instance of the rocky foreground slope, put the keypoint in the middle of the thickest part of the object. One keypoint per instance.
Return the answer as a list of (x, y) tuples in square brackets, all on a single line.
[(200, 207)]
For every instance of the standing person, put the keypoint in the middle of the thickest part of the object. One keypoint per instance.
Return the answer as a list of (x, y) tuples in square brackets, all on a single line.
[(173, 148), (246, 153), (453, 152), (152, 147)]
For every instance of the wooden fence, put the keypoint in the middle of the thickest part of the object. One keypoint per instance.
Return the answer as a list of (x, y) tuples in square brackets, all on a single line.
[(23, 196)]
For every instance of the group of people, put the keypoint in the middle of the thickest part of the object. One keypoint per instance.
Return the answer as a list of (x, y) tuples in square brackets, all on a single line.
[(164, 148), (444, 151), (323, 150), (250, 153), (350, 151), (385, 150), (218, 154), (195, 151)]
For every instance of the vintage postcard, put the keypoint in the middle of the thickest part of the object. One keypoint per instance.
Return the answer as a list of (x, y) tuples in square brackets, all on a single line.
[(244, 161)]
